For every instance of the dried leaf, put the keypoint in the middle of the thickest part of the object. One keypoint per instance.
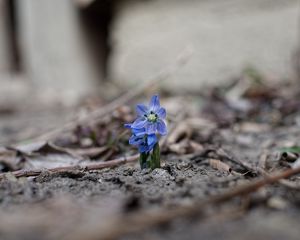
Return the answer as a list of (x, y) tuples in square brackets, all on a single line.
[(44, 148), (196, 147), (251, 127), (221, 153), (186, 146), (47, 155), (181, 131), (37, 148), (221, 166), (179, 148), (263, 160), (52, 161)]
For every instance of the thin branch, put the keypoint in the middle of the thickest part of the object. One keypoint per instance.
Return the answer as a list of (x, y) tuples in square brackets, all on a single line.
[(96, 166), (283, 182), (147, 219)]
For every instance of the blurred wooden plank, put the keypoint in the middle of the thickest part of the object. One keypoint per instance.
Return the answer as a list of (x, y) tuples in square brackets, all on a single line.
[(4, 54), (54, 49), (83, 3)]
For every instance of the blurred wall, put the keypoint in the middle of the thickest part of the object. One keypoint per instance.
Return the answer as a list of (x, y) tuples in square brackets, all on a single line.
[(225, 36), (4, 58), (54, 51), (58, 41)]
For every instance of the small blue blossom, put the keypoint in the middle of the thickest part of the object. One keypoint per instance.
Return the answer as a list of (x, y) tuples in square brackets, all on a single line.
[(151, 117), (146, 130), (145, 142), (148, 143)]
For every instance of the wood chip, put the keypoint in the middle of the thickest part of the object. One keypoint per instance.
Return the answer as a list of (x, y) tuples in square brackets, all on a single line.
[(221, 166)]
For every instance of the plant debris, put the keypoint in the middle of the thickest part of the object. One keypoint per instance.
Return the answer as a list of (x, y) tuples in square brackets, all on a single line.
[(231, 153)]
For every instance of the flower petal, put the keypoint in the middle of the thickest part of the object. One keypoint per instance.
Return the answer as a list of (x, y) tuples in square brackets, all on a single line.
[(139, 131), (141, 109), (135, 140), (143, 148), (151, 140), (161, 127), (139, 122), (151, 128), (154, 103), (127, 125), (161, 113)]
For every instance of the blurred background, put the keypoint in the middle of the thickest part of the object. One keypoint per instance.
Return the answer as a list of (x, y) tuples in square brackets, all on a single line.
[(58, 52)]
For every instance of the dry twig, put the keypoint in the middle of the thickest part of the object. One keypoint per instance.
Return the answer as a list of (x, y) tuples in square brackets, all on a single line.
[(96, 166), (283, 182)]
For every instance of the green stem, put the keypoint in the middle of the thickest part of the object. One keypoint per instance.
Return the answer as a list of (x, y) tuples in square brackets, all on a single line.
[(155, 157), (143, 160), (151, 160)]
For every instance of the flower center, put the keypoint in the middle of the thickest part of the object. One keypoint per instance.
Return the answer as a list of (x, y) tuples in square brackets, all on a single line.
[(152, 117)]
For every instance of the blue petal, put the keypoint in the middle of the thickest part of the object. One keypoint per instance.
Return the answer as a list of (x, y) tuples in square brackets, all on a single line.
[(141, 109), (161, 113), (127, 125), (139, 122), (138, 131), (151, 128), (161, 127), (143, 148), (154, 103), (134, 140), (151, 139)]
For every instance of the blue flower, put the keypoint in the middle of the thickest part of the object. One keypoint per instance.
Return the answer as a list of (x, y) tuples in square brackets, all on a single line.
[(145, 142), (151, 117)]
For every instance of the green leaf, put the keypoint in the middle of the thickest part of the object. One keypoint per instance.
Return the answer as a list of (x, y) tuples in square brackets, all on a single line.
[(295, 149)]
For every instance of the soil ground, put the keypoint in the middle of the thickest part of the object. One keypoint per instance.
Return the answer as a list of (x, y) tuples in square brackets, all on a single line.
[(90, 205)]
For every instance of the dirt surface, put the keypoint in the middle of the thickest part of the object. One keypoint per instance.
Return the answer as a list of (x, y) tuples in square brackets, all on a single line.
[(105, 204), (183, 180)]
